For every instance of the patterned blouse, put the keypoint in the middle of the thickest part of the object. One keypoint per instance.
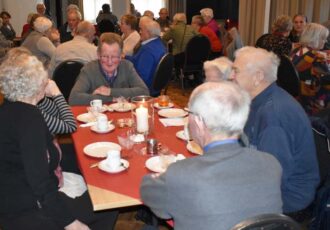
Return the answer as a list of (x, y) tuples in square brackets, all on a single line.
[(278, 44), (314, 78)]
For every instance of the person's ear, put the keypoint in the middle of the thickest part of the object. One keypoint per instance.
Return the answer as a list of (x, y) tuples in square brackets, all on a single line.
[(258, 78)]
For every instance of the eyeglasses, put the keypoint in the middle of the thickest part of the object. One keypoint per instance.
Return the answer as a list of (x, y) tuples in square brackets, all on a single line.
[(112, 58), (190, 112)]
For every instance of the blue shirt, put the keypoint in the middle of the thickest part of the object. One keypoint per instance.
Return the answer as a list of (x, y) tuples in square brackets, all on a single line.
[(277, 124), (146, 60)]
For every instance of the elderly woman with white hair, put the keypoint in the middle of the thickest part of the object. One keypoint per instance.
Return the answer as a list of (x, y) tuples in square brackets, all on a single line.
[(38, 41), (311, 64), (29, 180), (218, 69), (278, 40), (207, 14)]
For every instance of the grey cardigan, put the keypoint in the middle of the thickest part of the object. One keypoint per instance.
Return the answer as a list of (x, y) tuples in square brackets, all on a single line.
[(127, 84)]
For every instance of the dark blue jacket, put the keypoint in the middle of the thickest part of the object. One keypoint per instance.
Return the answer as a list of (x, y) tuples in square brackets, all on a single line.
[(277, 124), (146, 60)]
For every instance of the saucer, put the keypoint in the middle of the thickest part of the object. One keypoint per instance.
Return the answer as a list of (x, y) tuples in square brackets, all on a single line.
[(157, 106), (193, 147), (86, 118), (104, 167), (180, 134), (109, 129)]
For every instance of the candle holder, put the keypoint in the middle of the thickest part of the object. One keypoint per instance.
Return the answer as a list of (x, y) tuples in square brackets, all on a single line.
[(143, 114)]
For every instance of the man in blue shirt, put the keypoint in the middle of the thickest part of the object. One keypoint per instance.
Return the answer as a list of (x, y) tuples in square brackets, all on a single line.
[(149, 54), (229, 182), (277, 124)]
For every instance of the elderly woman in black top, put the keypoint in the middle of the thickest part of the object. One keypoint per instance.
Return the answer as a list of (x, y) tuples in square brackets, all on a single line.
[(29, 193), (278, 40)]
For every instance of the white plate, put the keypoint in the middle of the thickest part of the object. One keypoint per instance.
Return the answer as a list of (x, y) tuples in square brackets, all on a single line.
[(109, 129), (86, 118), (172, 113), (100, 149), (154, 165), (157, 106), (193, 147), (122, 107), (104, 167), (180, 134)]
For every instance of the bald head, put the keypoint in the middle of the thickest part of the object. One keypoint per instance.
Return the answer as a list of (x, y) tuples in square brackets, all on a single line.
[(86, 29)]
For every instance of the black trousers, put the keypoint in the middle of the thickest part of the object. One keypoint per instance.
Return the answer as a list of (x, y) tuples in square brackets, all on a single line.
[(81, 207)]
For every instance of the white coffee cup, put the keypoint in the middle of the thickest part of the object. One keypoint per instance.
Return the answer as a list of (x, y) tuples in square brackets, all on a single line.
[(96, 104), (113, 159), (102, 122)]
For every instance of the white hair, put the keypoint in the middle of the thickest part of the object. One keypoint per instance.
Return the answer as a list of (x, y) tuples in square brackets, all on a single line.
[(72, 7), (313, 35), (154, 28), (77, 12), (258, 59), (21, 75), (221, 65), (42, 24), (207, 12), (223, 106)]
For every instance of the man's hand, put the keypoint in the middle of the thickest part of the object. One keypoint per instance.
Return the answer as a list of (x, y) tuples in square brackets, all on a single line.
[(103, 90)]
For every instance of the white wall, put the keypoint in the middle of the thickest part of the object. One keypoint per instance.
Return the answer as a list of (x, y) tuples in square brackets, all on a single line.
[(19, 10)]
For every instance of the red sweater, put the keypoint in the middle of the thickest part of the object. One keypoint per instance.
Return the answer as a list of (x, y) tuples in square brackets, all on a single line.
[(213, 38)]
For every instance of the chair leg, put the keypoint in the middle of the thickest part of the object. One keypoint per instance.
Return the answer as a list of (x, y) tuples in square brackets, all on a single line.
[(182, 81)]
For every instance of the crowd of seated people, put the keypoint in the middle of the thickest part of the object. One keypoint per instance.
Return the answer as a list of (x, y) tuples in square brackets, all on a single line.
[(279, 158)]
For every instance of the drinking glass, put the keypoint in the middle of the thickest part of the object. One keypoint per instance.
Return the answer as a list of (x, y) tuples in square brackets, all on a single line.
[(126, 141)]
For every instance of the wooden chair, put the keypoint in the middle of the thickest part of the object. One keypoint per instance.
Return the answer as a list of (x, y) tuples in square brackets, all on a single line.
[(65, 76)]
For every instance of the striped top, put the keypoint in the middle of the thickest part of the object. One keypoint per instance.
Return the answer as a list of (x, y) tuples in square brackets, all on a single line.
[(58, 115)]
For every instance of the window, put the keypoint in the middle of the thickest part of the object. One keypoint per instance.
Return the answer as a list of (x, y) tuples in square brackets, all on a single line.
[(92, 9), (153, 5)]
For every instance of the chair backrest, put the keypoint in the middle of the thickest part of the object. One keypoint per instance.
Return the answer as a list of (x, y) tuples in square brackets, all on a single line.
[(288, 77), (269, 222), (196, 53), (163, 72), (105, 26), (65, 76)]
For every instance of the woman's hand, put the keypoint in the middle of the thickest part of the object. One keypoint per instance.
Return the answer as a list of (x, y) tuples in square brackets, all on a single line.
[(52, 89), (76, 225)]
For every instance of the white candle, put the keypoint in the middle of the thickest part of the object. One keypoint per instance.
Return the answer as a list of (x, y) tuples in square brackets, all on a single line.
[(142, 119)]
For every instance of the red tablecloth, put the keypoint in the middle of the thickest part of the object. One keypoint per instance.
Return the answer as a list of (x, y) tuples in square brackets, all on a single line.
[(122, 189)]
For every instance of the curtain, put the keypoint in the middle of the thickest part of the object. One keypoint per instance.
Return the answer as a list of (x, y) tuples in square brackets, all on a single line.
[(176, 6), (251, 18)]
